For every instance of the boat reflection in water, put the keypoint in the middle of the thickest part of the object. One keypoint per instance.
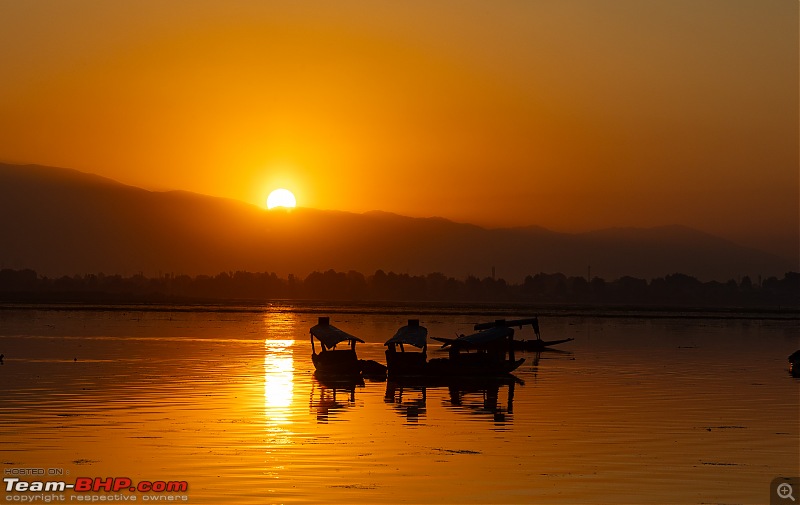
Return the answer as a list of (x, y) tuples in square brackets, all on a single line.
[(483, 398), (413, 406), (332, 395), (408, 396), (480, 396)]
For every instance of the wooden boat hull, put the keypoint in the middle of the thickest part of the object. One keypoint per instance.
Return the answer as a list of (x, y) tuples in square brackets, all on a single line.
[(372, 369), (346, 382), (345, 364), (794, 364), (461, 367), (519, 345), (467, 366), (405, 363), (337, 362), (538, 345)]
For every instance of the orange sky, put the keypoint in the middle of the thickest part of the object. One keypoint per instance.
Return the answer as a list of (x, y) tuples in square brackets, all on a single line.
[(572, 115)]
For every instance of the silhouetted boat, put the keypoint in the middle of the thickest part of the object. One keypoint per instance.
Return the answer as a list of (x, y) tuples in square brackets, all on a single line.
[(794, 363), (536, 344), (330, 360), (400, 361), (488, 352)]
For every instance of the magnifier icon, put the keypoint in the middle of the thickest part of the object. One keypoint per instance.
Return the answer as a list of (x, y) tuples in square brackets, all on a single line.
[(785, 491)]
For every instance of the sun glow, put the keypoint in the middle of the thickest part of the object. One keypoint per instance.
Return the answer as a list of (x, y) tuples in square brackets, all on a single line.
[(278, 380), (281, 198)]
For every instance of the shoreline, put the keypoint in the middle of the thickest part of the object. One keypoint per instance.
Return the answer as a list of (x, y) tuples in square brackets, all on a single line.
[(510, 309)]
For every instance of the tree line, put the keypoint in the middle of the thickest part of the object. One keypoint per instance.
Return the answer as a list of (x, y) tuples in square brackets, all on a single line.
[(542, 288)]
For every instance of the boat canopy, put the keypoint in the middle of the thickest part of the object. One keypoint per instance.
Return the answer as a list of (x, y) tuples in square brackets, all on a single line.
[(483, 338), (330, 335), (412, 334), (533, 321)]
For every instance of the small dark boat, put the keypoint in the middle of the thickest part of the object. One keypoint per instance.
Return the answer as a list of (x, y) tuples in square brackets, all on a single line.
[(488, 352), (399, 360), (330, 360), (335, 363), (536, 344), (794, 363)]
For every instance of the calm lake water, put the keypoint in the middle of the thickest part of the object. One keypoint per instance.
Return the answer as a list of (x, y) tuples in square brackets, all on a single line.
[(634, 410)]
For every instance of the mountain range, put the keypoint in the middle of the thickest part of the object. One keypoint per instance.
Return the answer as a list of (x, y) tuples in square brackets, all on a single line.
[(63, 222)]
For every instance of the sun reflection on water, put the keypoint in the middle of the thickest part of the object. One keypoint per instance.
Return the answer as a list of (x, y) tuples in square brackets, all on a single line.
[(278, 380), (278, 367), (278, 390)]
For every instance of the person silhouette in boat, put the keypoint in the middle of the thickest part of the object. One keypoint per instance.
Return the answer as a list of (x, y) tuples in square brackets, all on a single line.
[(535, 326)]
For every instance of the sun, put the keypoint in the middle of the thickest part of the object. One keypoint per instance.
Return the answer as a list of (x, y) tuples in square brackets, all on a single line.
[(281, 198)]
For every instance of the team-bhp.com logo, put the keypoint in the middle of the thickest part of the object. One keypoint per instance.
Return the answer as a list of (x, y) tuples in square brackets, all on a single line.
[(118, 485)]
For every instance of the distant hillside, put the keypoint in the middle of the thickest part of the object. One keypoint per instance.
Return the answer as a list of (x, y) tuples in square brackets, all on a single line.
[(58, 221)]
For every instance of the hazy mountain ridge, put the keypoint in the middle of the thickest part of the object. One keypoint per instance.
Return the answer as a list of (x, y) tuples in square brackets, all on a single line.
[(61, 221)]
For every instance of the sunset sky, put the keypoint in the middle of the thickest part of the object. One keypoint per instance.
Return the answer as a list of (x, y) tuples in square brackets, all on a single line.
[(572, 115)]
